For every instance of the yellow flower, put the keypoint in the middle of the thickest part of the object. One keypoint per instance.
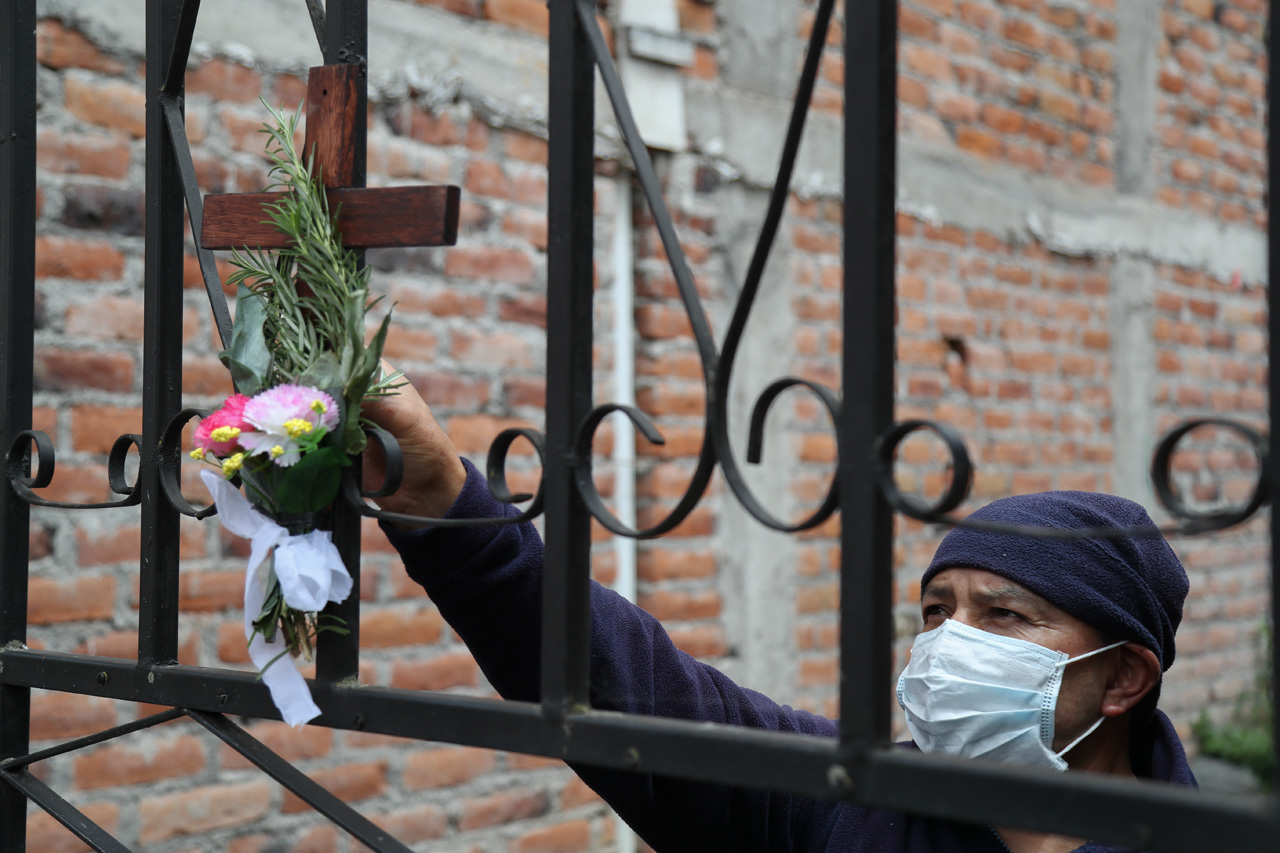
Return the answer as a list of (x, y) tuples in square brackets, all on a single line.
[(198, 453), (277, 452), (295, 427), (225, 433), (232, 465), (319, 407)]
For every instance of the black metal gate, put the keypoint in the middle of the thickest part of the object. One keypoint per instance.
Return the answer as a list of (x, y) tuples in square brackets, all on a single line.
[(858, 766)]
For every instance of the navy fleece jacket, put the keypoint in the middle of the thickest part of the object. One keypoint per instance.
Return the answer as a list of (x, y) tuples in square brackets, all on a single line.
[(487, 583)]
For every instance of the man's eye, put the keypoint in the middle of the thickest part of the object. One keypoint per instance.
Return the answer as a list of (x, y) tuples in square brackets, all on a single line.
[(934, 610), (1002, 613)]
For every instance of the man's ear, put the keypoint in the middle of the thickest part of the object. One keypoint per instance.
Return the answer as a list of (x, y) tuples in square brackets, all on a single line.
[(1135, 673)]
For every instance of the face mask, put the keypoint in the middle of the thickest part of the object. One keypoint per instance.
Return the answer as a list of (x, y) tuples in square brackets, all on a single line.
[(979, 695)]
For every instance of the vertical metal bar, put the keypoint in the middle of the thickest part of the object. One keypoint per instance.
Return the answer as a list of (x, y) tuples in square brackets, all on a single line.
[(866, 532), (17, 321), (1273, 381), (346, 41), (161, 350), (566, 623)]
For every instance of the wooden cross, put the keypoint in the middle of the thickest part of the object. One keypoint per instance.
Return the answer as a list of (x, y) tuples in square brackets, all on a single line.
[(367, 218)]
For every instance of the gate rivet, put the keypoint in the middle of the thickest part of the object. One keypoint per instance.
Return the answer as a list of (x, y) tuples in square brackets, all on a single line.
[(102, 678), (151, 678), (222, 697), (358, 722)]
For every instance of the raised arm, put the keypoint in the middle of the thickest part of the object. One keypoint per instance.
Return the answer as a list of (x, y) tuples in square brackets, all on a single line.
[(487, 583)]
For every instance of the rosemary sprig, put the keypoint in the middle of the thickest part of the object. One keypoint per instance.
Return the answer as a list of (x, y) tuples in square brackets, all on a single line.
[(315, 292)]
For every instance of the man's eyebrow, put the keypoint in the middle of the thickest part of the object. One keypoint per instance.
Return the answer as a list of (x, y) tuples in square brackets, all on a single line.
[(1008, 595), (937, 589)]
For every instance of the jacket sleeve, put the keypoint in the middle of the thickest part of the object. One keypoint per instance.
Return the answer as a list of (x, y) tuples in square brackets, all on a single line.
[(487, 583)]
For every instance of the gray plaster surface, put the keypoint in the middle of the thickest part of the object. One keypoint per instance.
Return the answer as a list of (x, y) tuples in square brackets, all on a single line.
[(435, 55), (758, 575), (1133, 368), (1137, 62)]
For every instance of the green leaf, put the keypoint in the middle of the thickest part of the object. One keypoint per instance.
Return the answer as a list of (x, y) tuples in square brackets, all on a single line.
[(248, 358), (312, 483)]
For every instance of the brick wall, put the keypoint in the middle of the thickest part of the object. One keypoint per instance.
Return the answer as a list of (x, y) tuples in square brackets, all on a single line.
[(1016, 323)]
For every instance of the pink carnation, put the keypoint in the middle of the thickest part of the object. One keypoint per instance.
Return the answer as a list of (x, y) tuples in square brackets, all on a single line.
[(231, 414), (276, 413)]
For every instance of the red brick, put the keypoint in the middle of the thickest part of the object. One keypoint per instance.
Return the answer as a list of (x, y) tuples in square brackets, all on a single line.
[(205, 377), (706, 641), (390, 628), (509, 266), (500, 349), (696, 16), (308, 742), (450, 670), (85, 155), (474, 433), (112, 104), (210, 592), (95, 428), (349, 783), (109, 318), (679, 606), (446, 767), (46, 835), (569, 837), (529, 226), (86, 260), (60, 47), (667, 564), (977, 142), (111, 766), (405, 344), (503, 807), (200, 810), (224, 81), (73, 600), (409, 826), (68, 715)]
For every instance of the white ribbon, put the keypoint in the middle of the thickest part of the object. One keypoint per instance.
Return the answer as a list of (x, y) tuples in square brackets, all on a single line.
[(311, 573)]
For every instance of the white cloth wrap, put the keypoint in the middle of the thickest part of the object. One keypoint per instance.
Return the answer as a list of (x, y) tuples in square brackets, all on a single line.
[(311, 573)]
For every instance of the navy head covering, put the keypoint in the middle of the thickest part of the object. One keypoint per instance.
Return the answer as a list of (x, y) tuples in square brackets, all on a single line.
[(1130, 588)]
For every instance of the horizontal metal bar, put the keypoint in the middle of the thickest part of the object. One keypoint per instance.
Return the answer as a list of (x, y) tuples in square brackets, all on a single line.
[(1171, 819), (91, 740), (314, 795), (63, 812)]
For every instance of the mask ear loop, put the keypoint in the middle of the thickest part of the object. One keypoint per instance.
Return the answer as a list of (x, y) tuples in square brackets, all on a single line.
[(1092, 653), (1095, 726), (1075, 742)]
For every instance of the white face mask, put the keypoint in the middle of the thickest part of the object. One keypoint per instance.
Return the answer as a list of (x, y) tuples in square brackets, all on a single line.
[(970, 693)]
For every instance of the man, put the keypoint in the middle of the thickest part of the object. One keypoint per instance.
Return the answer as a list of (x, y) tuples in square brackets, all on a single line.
[(1041, 652)]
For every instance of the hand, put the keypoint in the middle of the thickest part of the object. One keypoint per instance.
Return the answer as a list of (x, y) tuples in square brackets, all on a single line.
[(433, 473)]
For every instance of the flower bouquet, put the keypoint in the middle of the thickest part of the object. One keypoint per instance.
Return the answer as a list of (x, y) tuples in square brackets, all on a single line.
[(302, 370)]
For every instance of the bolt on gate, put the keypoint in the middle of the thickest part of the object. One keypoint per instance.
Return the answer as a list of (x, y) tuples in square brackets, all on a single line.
[(859, 766)]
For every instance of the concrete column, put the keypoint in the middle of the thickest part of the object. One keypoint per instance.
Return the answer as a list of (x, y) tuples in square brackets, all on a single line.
[(761, 53), (1133, 369), (1138, 40), (758, 565), (1133, 352)]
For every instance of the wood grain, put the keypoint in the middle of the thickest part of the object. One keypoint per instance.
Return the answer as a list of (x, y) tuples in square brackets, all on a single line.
[(331, 122), (367, 218)]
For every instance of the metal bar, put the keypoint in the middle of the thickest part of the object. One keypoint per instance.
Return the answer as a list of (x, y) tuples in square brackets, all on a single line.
[(294, 780), (91, 740), (316, 9), (172, 107), (1272, 459), (161, 350), (175, 69), (338, 655), (17, 324), (566, 622), (866, 531), (61, 811), (1172, 819)]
